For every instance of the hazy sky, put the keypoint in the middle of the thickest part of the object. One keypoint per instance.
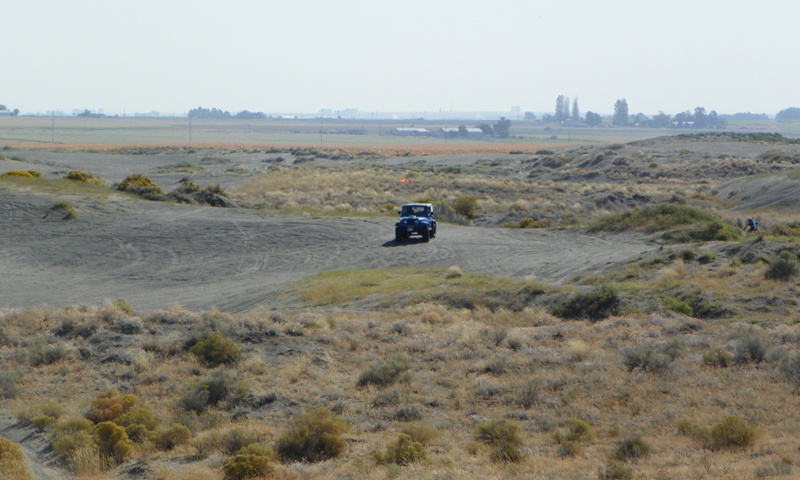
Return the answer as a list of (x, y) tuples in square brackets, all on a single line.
[(399, 55)]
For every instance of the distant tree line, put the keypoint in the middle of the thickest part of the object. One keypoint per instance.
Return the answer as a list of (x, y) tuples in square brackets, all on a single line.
[(789, 114), (201, 112), (500, 129)]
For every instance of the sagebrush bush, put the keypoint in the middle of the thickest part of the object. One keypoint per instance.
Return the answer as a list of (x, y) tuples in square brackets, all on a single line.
[(717, 358), (219, 385), (420, 432), (236, 439), (12, 462), (171, 437), (791, 369), (9, 387), (402, 451), (594, 306), (108, 406), (466, 205), (72, 434), (631, 449), (313, 436), (112, 441), (387, 372), (751, 349), (646, 358), (216, 349), (783, 267), (575, 430), (732, 433), (504, 437), (244, 466), (615, 470)]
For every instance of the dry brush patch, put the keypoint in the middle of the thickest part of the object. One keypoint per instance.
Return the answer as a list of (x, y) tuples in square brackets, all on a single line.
[(562, 389)]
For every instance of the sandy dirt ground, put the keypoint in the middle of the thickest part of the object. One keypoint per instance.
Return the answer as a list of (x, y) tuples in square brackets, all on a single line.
[(156, 255)]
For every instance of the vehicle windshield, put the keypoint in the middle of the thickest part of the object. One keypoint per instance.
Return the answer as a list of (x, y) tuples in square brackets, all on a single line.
[(416, 210)]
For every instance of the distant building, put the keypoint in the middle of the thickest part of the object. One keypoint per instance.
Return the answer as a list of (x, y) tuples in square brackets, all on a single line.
[(451, 132), (410, 132)]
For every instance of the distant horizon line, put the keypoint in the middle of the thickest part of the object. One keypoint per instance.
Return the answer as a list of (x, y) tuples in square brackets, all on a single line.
[(346, 114)]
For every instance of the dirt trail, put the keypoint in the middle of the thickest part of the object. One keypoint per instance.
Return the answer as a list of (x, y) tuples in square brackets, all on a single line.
[(157, 255), (36, 447)]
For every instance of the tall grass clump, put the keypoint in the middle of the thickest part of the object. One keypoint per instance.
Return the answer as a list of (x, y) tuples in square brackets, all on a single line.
[(79, 176), (313, 436), (142, 186)]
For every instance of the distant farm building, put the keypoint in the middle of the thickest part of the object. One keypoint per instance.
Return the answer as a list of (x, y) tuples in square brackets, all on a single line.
[(410, 132), (451, 132)]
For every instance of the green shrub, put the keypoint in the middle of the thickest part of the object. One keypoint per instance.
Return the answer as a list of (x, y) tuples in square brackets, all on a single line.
[(313, 436), (783, 267), (71, 435), (676, 305), (244, 466), (172, 436), (465, 205), (504, 438), (387, 372), (67, 208), (732, 433), (12, 461), (216, 349), (594, 306), (43, 422), (112, 441), (402, 451), (717, 358)]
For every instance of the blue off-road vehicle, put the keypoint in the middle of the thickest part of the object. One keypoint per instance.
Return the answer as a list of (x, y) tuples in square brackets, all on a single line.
[(415, 219)]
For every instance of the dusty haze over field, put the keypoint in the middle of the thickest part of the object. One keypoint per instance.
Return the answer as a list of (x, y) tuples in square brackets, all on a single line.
[(416, 56)]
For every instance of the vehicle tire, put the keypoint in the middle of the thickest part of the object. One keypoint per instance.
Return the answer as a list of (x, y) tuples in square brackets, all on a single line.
[(433, 232), (398, 235), (426, 235)]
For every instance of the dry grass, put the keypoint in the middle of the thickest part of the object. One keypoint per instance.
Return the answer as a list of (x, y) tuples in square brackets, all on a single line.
[(459, 377)]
